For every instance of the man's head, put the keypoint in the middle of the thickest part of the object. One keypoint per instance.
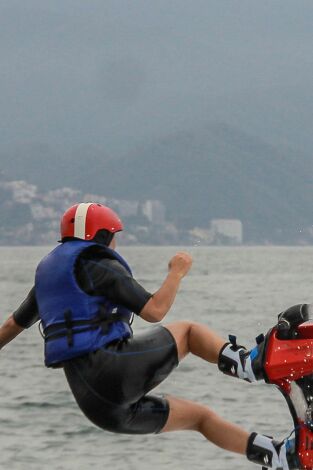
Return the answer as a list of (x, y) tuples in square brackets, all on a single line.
[(90, 221)]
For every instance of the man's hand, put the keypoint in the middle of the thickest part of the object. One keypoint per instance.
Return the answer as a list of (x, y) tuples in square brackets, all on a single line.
[(180, 264)]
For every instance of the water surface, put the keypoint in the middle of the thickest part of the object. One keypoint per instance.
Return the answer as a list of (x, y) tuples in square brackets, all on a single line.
[(233, 290)]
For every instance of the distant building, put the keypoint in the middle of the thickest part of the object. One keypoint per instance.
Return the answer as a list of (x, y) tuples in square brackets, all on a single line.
[(199, 236), (95, 198), (227, 230), (127, 208), (21, 191), (41, 212), (154, 210), (62, 198)]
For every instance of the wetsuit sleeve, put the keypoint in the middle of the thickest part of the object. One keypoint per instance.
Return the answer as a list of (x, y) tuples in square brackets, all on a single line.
[(27, 313), (109, 278)]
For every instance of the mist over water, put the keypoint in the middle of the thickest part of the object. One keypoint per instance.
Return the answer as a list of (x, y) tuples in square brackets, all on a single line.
[(233, 290)]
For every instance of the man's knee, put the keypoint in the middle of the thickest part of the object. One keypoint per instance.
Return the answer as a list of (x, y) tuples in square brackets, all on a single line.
[(181, 331), (181, 327)]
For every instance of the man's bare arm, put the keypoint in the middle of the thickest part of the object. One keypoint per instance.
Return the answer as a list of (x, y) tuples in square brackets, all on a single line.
[(159, 304), (9, 330)]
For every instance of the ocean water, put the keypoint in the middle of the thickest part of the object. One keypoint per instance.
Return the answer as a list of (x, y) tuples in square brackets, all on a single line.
[(233, 290)]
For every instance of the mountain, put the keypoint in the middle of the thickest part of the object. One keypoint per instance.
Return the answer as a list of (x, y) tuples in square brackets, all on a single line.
[(219, 172), (213, 172)]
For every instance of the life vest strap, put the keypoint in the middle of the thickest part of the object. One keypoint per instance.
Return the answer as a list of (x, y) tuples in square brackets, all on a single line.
[(70, 327)]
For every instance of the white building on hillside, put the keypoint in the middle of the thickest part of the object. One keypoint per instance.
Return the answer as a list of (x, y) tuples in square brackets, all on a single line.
[(154, 210), (229, 229), (20, 190)]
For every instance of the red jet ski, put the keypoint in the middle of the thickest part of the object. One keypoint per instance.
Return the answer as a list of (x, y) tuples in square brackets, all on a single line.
[(287, 362)]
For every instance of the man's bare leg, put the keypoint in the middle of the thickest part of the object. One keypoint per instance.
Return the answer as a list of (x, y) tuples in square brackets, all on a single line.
[(195, 338), (187, 415), (198, 339), (232, 359), (262, 450)]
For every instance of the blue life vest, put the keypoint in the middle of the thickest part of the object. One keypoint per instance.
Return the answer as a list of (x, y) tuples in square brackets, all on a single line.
[(75, 323)]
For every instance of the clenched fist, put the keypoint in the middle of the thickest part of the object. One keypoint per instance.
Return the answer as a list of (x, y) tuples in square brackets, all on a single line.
[(180, 264)]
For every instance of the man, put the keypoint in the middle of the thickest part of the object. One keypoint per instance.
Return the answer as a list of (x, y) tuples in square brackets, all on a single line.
[(85, 296)]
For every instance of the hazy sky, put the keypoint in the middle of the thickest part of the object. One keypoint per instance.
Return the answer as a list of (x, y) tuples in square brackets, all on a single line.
[(113, 72)]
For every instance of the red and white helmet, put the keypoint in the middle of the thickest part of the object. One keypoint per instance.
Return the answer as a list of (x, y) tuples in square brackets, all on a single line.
[(84, 220)]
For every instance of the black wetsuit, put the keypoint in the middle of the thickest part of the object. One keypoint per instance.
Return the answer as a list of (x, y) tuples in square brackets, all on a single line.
[(110, 384)]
